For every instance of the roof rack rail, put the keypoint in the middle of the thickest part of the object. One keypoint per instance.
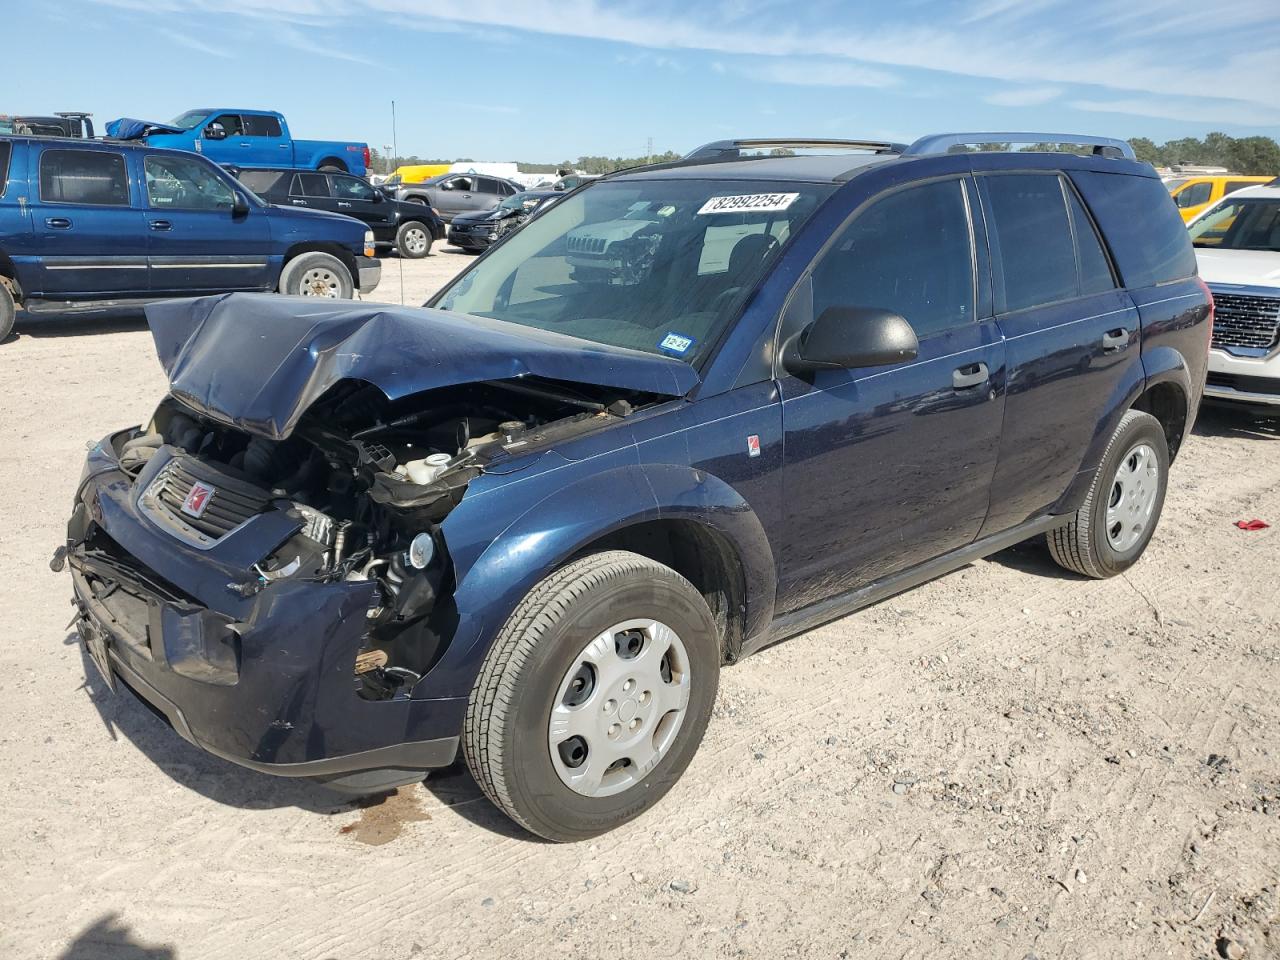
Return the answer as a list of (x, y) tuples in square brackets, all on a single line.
[(943, 142), (732, 149)]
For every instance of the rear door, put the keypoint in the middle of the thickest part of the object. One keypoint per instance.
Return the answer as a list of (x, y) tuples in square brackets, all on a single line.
[(196, 242), (88, 225), (263, 143), (16, 240), (1071, 335), (887, 467), (312, 190)]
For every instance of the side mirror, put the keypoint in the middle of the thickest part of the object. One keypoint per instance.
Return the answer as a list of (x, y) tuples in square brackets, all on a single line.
[(379, 196), (846, 337), (239, 205), (215, 131)]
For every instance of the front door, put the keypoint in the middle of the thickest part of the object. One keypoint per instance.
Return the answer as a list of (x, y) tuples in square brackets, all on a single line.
[(887, 467), (88, 225), (197, 243), (356, 198)]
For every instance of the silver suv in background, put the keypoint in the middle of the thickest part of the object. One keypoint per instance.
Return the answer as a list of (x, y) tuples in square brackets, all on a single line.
[(1237, 242)]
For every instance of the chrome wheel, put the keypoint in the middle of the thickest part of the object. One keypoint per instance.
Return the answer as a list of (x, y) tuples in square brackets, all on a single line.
[(320, 282), (1134, 491), (415, 241), (619, 708)]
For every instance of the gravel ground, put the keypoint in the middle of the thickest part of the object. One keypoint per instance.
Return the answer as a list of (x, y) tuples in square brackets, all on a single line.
[(1006, 762)]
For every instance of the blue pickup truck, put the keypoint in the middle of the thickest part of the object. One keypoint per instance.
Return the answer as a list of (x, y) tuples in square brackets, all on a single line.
[(92, 223), (245, 138)]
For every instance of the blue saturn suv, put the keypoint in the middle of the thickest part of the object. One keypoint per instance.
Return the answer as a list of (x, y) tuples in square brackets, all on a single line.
[(692, 409)]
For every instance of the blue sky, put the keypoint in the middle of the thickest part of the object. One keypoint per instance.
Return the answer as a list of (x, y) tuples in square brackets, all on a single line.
[(538, 80)]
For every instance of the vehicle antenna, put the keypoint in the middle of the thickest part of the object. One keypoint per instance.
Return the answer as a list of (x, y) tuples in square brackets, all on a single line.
[(395, 154)]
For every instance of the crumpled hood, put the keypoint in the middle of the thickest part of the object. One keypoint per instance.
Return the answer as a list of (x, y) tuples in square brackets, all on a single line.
[(258, 361), (127, 128)]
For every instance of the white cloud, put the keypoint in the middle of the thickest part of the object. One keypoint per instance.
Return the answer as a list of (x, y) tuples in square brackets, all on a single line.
[(1192, 111), (809, 73), (192, 43), (1023, 96)]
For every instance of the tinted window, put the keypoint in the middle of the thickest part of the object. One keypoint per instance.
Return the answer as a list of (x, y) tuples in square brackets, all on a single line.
[(5, 149), (461, 184), (310, 185), (1143, 229), (264, 182), (1246, 223), (261, 126), (352, 188), (1194, 195), (910, 253), (1034, 236), (231, 124), (176, 183), (84, 176), (1234, 185), (1095, 270)]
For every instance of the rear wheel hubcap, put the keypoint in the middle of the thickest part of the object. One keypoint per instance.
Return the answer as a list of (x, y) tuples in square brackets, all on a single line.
[(1132, 499)]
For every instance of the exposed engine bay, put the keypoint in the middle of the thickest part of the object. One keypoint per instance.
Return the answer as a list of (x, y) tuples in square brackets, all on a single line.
[(369, 480)]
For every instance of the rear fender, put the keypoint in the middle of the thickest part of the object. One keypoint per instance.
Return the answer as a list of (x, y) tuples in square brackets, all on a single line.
[(567, 523)]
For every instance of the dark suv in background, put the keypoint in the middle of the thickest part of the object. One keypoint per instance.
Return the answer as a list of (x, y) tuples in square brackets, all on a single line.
[(409, 227), (451, 194), (690, 410)]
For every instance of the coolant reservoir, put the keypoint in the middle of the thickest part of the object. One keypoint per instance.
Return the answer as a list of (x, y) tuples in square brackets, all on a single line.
[(428, 468)]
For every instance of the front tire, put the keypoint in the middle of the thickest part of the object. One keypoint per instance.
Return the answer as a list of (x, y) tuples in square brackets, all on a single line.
[(1110, 531), (413, 240), (8, 312), (594, 696), (317, 275)]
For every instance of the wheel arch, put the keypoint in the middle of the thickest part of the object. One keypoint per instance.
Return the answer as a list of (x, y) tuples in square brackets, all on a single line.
[(1169, 395), (333, 165)]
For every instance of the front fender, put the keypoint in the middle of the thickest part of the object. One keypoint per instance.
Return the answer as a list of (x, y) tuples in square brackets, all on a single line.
[(564, 523)]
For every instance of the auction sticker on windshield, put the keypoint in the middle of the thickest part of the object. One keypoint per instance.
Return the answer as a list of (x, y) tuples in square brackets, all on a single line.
[(749, 203)]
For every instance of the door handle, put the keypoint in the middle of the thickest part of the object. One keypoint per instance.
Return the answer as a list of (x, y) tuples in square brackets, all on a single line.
[(466, 196), (343, 203), (975, 374), (245, 146), (298, 203), (161, 225), (1114, 341), (58, 223)]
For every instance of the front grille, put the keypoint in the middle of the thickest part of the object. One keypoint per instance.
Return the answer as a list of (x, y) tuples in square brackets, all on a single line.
[(1242, 320), (587, 244), (231, 503)]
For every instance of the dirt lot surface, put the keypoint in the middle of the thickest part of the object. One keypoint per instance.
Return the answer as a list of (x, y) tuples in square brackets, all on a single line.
[(1007, 762)]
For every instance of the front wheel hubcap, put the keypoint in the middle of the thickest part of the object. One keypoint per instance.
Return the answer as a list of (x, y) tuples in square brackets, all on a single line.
[(415, 241), (320, 282), (619, 708), (1132, 499)]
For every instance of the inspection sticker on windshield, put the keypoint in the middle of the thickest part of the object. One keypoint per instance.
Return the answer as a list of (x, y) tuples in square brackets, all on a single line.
[(749, 203), (676, 343)]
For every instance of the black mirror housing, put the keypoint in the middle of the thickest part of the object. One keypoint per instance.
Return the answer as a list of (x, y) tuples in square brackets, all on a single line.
[(215, 131), (849, 337), (239, 205)]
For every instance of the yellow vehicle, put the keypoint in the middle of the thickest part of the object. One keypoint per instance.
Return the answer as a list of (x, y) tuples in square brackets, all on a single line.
[(1193, 195), (416, 173)]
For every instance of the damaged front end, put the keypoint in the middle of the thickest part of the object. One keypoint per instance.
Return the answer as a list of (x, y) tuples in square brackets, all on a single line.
[(277, 588)]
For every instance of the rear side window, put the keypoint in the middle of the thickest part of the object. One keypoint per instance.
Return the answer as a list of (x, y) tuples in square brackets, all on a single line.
[(1146, 235), (1234, 185), (262, 182), (6, 149), (261, 126), (1034, 236), (911, 253), (88, 177), (310, 185)]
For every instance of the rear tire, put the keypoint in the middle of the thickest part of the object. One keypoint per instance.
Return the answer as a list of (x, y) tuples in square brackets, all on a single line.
[(525, 705), (317, 275), (1113, 526), (8, 311), (413, 240)]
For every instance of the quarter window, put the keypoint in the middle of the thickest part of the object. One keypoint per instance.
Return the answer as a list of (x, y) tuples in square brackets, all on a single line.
[(88, 177), (176, 183), (257, 126), (1034, 239), (1146, 235), (911, 253)]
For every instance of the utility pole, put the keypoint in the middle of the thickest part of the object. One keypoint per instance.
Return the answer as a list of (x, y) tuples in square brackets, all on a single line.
[(648, 151)]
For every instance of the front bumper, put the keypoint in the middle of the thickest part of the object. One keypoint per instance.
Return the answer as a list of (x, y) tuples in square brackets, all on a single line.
[(369, 272), (264, 681), (1244, 379), (468, 240)]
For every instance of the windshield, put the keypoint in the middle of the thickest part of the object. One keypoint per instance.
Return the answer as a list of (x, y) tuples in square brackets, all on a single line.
[(1174, 184), (518, 201), (391, 180), (661, 266), (188, 120), (1252, 224)]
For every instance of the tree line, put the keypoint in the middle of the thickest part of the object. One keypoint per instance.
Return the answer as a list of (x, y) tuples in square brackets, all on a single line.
[(1247, 155)]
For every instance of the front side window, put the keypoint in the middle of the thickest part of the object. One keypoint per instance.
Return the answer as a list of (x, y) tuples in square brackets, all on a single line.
[(352, 188), (1034, 235), (1194, 195), (258, 126), (232, 125), (910, 252), (88, 177), (623, 262), (176, 183), (1244, 224), (458, 184)]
